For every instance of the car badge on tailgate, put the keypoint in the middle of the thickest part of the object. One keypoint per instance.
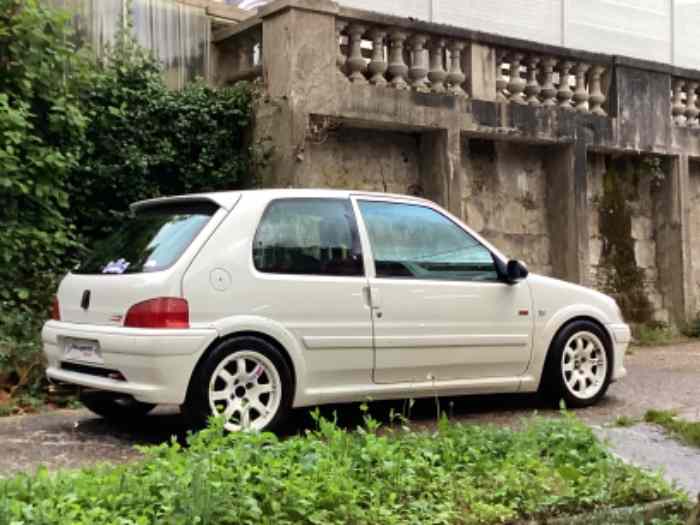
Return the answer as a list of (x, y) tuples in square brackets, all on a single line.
[(85, 301)]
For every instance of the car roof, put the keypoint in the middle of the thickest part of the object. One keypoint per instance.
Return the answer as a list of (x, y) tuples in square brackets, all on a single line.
[(227, 199)]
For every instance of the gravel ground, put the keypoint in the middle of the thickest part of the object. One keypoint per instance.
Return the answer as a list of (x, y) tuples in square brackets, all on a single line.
[(659, 377)]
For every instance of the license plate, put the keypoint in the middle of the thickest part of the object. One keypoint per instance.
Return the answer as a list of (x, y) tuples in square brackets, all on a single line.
[(82, 350)]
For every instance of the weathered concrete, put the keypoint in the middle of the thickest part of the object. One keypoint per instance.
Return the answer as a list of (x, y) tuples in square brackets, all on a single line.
[(311, 108)]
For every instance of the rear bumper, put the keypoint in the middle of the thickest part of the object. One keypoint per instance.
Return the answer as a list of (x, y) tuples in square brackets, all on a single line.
[(621, 336), (157, 364)]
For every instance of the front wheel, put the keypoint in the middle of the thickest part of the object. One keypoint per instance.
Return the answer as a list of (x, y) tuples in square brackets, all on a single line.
[(115, 407), (246, 381), (579, 365)]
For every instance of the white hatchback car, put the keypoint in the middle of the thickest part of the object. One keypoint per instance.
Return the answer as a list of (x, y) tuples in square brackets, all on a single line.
[(248, 304)]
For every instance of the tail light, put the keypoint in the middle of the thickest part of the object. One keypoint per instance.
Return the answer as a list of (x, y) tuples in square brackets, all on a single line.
[(163, 312), (55, 309)]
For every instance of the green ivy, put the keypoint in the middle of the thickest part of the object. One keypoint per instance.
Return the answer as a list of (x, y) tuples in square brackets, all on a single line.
[(80, 139)]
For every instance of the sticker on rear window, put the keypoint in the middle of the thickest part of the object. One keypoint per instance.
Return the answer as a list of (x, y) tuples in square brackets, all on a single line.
[(116, 267)]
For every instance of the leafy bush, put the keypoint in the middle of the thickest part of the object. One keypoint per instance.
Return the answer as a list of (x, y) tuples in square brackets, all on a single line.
[(460, 474), (79, 141), (144, 140)]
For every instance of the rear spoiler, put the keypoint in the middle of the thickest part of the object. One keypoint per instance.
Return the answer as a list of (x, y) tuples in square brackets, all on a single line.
[(225, 200)]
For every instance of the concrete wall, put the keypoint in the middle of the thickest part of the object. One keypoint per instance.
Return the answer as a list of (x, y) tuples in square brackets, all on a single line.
[(365, 159), (643, 193), (505, 199), (529, 177), (694, 200)]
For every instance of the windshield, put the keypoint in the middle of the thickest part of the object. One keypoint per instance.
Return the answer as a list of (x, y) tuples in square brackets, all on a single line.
[(152, 240)]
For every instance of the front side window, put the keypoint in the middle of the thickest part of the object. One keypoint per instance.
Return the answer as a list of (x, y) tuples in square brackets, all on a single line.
[(308, 237), (151, 240), (416, 242)]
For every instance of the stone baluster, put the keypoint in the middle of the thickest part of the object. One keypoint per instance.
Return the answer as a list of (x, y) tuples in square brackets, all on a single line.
[(456, 76), (340, 26), (437, 74), (501, 81), (397, 65), (419, 67), (678, 109), (581, 93), (548, 91), (597, 98), (691, 104), (564, 94), (532, 88), (516, 86), (356, 62), (378, 65)]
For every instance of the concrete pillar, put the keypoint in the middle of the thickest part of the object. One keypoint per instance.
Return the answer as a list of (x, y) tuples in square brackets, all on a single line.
[(299, 69), (441, 168), (673, 242), (481, 72), (568, 212)]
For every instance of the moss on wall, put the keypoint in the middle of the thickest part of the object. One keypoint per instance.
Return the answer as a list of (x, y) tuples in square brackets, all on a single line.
[(620, 275)]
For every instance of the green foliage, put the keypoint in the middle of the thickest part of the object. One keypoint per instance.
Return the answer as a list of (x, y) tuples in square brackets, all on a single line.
[(654, 334), (41, 123), (625, 421), (460, 474), (687, 431), (80, 140), (144, 140)]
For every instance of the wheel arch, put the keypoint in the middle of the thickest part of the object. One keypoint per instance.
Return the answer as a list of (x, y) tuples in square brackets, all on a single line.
[(249, 333), (608, 342)]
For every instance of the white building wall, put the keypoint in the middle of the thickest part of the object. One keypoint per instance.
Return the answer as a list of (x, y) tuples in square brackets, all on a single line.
[(659, 30)]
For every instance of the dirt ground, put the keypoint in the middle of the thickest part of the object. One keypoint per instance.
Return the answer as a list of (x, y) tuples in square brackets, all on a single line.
[(658, 377)]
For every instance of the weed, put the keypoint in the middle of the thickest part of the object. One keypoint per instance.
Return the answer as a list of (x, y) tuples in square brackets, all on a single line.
[(654, 334), (466, 474), (686, 431), (626, 421)]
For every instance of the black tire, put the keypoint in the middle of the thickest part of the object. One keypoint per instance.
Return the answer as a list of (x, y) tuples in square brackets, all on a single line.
[(115, 407), (553, 384), (197, 409)]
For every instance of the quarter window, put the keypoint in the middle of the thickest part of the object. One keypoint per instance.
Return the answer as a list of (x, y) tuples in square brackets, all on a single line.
[(416, 242), (308, 237)]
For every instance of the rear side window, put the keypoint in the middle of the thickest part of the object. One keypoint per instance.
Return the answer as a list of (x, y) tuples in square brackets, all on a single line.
[(308, 237), (152, 240)]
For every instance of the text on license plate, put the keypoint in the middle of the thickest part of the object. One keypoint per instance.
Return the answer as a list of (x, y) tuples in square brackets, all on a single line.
[(83, 350)]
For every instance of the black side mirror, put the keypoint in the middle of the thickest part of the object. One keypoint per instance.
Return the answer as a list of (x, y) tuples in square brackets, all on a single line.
[(516, 271)]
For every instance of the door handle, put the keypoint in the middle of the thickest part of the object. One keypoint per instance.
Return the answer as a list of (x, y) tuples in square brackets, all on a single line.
[(372, 297)]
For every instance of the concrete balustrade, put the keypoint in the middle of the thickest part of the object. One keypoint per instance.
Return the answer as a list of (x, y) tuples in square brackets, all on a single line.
[(240, 55), (541, 80), (400, 59), (684, 102)]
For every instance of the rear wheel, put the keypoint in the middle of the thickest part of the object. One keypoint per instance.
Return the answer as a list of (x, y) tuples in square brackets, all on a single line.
[(246, 381), (579, 365), (115, 407)]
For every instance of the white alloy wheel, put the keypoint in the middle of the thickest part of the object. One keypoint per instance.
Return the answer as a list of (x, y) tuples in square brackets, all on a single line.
[(584, 365), (246, 390)]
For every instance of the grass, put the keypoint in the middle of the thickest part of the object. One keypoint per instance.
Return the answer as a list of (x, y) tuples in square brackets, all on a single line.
[(625, 421), (686, 431), (459, 474), (654, 334)]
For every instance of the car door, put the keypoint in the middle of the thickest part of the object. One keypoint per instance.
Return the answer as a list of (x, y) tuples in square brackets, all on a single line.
[(310, 278), (440, 310)]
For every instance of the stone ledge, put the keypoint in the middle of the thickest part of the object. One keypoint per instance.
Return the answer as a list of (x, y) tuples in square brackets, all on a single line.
[(618, 516)]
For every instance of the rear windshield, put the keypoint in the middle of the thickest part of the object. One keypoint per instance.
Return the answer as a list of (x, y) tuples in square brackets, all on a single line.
[(152, 240)]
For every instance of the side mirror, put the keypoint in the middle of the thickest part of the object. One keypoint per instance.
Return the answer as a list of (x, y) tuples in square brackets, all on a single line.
[(516, 271)]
